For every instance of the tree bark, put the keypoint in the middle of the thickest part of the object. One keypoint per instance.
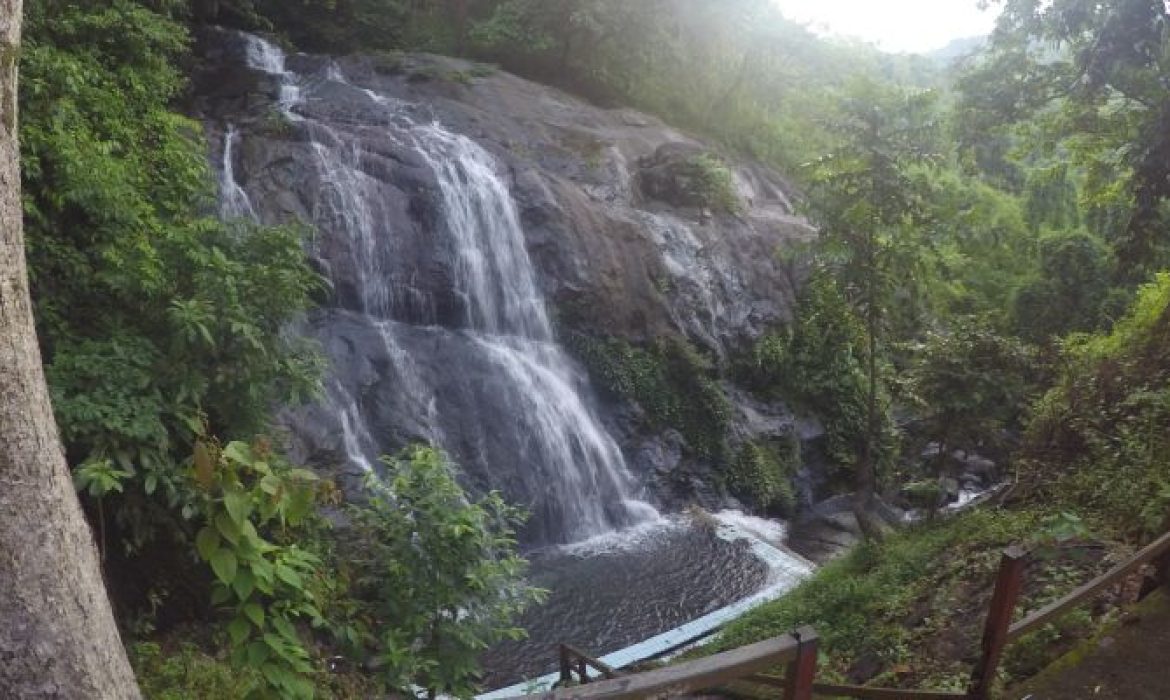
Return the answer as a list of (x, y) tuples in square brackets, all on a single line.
[(58, 638)]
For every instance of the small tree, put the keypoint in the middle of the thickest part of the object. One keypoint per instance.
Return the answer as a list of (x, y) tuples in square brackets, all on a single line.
[(866, 205), (972, 382), (440, 573)]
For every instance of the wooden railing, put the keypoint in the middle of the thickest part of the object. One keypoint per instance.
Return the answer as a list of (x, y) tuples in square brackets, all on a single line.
[(798, 651), (998, 629), (575, 660)]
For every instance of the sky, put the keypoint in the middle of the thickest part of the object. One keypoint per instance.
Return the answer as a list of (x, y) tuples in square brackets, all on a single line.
[(894, 25)]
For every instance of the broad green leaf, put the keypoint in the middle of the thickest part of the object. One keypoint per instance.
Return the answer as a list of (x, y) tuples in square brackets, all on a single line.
[(239, 452), (238, 505), (244, 583), (206, 542), (220, 594), (271, 484), (289, 576), (258, 653), (238, 631), (228, 528), (255, 613), (223, 563)]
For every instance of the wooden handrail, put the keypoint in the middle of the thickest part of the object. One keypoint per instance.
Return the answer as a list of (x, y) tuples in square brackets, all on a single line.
[(797, 650), (860, 691), (1078, 595), (570, 653), (868, 693)]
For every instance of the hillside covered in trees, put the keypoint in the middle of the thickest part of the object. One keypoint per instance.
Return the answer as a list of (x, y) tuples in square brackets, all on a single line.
[(985, 300)]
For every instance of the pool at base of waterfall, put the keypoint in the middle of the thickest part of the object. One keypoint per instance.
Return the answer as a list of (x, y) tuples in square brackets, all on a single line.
[(616, 590)]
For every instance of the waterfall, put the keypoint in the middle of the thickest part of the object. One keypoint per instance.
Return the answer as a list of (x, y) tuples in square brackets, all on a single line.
[(235, 203), (533, 398)]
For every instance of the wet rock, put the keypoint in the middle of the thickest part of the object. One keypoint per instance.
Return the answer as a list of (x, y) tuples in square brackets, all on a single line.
[(607, 259)]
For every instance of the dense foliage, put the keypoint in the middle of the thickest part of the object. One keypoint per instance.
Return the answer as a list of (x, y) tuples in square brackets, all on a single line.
[(990, 231), (153, 316), (442, 568)]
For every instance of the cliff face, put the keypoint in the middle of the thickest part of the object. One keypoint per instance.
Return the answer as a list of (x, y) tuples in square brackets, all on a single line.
[(416, 173)]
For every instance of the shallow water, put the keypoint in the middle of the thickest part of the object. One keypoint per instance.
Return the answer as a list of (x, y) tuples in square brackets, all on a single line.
[(616, 590)]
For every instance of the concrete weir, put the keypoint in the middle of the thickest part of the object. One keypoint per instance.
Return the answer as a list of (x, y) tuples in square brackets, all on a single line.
[(785, 570)]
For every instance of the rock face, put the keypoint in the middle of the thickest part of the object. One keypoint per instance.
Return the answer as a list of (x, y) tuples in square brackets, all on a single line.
[(464, 220)]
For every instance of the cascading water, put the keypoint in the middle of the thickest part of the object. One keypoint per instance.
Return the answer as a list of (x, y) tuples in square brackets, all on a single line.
[(575, 481), (437, 331)]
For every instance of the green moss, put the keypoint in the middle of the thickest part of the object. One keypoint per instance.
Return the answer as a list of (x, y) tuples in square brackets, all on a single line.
[(276, 124), (761, 474), (188, 672), (669, 379), (482, 70), (712, 183), (388, 62)]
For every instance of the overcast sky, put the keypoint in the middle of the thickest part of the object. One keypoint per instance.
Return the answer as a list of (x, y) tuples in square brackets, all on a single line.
[(894, 25)]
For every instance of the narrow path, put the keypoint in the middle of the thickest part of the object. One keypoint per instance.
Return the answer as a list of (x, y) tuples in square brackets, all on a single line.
[(1129, 662)]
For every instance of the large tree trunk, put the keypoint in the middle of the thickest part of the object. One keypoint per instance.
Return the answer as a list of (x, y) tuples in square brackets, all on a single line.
[(57, 633)]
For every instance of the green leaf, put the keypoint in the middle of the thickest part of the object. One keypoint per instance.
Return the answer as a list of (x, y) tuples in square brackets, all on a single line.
[(258, 653), (243, 584), (207, 542), (289, 576), (238, 505), (238, 631), (271, 484), (239, 452), (223, 563), (255, 613), (228, 528), (220, 594), (285, 628)]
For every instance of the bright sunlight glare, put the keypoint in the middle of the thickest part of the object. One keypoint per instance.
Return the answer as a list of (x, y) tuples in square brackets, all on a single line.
[(911, 26)]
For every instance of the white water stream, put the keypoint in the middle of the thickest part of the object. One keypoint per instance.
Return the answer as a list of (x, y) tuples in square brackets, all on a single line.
[(581, 478)]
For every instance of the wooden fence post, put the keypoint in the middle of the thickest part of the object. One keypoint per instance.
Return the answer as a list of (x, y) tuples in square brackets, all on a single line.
[(1008, 585), (566, 667), (1162, 570), (798, 680)]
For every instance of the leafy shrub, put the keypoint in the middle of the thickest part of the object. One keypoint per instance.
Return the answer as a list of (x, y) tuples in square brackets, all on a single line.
[(669, 380), (712, 183), (817, 363), (250, 501), (1097, 442), (971, 382), (188, 672), (1072, 290), (762, 472), (151, 313), (437, 574)]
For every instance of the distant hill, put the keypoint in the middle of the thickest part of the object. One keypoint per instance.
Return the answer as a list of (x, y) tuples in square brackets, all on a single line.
[(957, 49)]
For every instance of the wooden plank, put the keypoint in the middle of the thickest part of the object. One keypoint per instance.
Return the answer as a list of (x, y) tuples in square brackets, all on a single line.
[(1057, 608), (1008, 584), (688, 677), (863, 693)]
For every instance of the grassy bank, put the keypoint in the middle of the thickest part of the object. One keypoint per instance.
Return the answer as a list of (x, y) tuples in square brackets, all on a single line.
[(908, 612)]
